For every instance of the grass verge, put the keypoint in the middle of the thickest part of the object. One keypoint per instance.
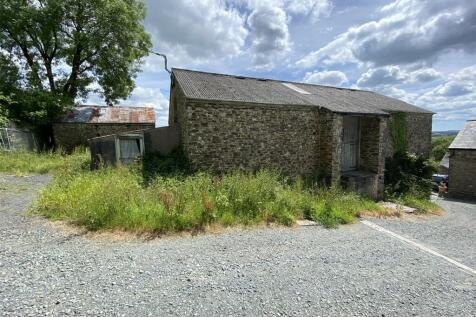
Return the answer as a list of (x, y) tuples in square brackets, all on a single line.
[(119, 199), (422, 205), (21, 163)]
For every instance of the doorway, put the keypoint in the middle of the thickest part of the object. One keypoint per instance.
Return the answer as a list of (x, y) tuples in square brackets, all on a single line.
[(350, 143)]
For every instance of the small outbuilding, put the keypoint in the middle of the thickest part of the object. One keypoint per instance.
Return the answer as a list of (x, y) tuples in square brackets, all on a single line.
[(462, 163), (82, 123), (127, 147)]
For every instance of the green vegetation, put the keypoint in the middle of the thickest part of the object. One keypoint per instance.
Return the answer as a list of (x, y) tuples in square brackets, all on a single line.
[(95, 42), (118, 199), (408, 181), (398, 131), (439, 146), (19, 163), (173, 199), (421, 204)]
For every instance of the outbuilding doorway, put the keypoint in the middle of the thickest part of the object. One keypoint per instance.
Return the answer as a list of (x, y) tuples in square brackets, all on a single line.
[(350, 143)]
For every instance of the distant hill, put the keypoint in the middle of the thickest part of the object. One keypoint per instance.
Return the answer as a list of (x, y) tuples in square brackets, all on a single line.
[(445, 133)]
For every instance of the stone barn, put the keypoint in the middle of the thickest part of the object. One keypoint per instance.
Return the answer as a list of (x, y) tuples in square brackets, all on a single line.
[(462, 163), (82, 123), (344, 135)]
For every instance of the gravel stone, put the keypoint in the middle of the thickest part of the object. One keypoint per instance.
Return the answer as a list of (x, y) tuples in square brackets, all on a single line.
[(301, 271)]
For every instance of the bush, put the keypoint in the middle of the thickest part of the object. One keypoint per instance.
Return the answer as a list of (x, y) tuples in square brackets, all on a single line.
[(408, 174), (408, 181)]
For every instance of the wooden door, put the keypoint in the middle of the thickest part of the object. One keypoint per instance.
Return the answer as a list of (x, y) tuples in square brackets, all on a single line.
[(129, 150), (350, 143)]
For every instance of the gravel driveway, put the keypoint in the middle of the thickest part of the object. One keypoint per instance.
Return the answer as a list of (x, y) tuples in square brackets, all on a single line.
[(304, 271)]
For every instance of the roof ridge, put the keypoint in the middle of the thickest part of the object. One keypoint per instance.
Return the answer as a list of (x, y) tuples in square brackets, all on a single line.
[(268, 79), (215, 86), (115, 106)]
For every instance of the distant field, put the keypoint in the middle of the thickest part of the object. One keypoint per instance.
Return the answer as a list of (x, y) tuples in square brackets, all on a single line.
[(444, 133)]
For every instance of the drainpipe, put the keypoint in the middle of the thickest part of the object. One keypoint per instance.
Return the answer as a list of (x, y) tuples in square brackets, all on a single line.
[(165, 60)]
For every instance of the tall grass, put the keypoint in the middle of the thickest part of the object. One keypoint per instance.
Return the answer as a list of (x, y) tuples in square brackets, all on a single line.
[(23, 162), (119, 199)]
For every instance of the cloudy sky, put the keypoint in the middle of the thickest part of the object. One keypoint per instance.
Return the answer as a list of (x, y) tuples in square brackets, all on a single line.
[(421, 51)]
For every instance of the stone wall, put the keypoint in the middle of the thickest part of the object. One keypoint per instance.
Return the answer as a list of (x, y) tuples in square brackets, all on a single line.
[(419, 127), (163, 140), (418, 132), (222, 137), (462, 181), (71, 135), (330, 146), (372, 151)]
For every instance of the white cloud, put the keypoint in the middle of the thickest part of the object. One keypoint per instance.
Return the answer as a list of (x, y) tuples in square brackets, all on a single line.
[(395, 75), (316, 9), (196, 31), (381, 76), (454, 89), (456, 98), (332, 78), (410, 32), (424, 75), (147, 97), (270, 35), (335, 52)]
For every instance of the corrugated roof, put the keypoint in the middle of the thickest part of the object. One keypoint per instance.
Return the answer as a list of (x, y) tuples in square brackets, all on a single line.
[(221, 87), (119, 114), (466, 138)]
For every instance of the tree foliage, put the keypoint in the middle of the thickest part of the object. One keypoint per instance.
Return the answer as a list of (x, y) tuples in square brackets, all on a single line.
[(439, 146), (55, 51)]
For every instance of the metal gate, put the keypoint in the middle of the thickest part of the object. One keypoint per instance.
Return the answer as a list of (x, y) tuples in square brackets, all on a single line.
[(350, 143)]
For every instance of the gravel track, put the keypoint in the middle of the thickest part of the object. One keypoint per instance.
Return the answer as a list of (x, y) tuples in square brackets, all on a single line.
[(306, 271)]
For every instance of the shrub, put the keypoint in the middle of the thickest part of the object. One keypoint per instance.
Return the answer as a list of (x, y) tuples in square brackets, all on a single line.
[(408, 174), (408, 181)]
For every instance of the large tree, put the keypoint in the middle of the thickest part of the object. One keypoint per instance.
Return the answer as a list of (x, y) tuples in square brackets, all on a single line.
[(64, 49)]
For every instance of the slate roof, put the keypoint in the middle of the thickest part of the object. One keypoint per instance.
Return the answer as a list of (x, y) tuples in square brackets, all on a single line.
[(220, 87), (118, 114), (445, 161), (466, 138)]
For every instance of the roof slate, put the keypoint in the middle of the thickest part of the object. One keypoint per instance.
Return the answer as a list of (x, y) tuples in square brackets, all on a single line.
[(97, 114), (466, 138), (221, 87)]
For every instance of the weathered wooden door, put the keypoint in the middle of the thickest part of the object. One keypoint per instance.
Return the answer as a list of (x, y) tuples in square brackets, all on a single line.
[(129, 149), (350, 143)]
